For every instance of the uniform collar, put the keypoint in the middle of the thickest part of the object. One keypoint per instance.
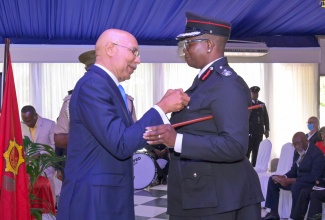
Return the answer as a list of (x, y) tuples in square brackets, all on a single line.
[(207, 66)]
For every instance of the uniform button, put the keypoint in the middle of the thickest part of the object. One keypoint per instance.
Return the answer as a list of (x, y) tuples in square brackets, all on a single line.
[(194, 175), (188, 107), (220, 67)]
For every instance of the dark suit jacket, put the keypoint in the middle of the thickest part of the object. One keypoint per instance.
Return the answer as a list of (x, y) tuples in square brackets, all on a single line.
[(258, 120), (212, 174), (99, 168), (311, 167), (315, 138)]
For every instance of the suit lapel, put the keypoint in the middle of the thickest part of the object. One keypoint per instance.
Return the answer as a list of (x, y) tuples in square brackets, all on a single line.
[(38, 128), (112, 84)]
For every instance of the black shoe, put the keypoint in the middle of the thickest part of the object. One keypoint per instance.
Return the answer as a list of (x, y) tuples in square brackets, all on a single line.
[(272, 216)]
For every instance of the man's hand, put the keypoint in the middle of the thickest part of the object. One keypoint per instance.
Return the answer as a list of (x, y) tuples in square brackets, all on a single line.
[(59, 175), (282, 180), (161, 134), (174, 100)]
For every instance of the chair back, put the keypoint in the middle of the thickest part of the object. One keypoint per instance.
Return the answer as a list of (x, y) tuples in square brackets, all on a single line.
[(263, 156), (286, 158)]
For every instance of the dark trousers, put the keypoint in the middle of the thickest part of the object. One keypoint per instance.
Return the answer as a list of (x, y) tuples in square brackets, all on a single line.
[(273, 193), (251, 212), (313, 198), (253, 145), (300, 209), (317, 197)]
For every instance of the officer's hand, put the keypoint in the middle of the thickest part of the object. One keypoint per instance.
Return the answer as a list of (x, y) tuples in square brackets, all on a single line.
[(266, 133)]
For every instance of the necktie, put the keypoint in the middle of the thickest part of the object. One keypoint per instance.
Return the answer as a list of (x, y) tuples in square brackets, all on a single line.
[(301, 158), (123, 95)]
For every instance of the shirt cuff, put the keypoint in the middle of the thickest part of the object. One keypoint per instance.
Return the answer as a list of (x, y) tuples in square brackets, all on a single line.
[(162, 114), (178, 143)]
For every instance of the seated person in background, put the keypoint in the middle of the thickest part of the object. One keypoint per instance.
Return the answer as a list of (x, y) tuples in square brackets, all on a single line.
[(313, 126), (321, 144), (159, 151), (308, 165), (316, 196)]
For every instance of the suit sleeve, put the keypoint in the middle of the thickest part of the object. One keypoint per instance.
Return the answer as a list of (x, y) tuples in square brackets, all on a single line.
[(102, 115), (317, 166), (292, 173), (311, 168)]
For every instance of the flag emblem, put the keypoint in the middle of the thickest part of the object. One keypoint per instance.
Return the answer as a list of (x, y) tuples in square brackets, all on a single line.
[(13, 157)]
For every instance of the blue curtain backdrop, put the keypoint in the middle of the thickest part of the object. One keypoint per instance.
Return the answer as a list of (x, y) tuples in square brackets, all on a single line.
[(152, 21)]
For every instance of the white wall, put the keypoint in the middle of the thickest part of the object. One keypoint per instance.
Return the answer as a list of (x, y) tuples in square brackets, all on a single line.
[(154, 54)]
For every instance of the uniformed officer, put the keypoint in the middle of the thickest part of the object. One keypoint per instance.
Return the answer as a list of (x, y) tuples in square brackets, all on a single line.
[(209, 175), (258, 125)]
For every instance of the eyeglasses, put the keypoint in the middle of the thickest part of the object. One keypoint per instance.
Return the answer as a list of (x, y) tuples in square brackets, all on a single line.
[(133, 50), (187, 42)]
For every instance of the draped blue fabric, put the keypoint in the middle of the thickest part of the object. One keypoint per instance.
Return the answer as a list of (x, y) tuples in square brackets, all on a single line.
[(152, 21)]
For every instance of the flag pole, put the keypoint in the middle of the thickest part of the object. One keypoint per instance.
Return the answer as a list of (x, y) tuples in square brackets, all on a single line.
[(5, 69)]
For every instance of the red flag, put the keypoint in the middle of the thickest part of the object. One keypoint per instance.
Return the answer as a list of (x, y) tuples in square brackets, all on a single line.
[(14, 200)]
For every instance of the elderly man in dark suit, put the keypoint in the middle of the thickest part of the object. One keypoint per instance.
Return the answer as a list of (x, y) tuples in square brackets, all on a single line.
[(307, 167), (258, 125), (209, 174), (103, 137)]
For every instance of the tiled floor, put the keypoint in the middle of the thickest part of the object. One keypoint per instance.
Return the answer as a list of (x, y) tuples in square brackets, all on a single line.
[(151, 203)]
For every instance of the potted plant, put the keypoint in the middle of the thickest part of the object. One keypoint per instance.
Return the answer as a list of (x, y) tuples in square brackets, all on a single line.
[(36, 163)]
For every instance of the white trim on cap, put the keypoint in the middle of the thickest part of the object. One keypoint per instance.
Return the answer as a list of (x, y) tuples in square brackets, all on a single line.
[(190, 34)]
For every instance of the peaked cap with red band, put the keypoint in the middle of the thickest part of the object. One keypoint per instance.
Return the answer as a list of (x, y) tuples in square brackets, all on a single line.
[(197, 25)]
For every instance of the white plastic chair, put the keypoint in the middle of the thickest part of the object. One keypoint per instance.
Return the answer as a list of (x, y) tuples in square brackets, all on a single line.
[(263, 156), (284, 165)]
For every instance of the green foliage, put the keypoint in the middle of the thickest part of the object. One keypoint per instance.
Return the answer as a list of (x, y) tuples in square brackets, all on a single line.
[(38, 157)]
